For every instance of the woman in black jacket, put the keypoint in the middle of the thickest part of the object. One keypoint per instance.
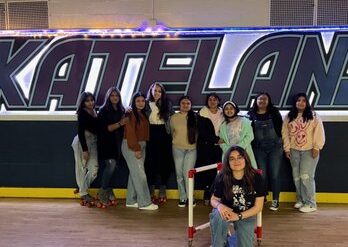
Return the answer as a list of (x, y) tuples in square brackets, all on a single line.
[(111, 121), (208, 150)]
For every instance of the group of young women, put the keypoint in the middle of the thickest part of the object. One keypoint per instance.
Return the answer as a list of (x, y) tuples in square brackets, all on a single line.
[(138, 133), (239, 190), (151, 136)]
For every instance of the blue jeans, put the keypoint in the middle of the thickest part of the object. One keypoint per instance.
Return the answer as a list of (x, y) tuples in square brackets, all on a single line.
[(110, 166), (303, 172), (269, 160), (184, 160), (137, 189), (244, 230)]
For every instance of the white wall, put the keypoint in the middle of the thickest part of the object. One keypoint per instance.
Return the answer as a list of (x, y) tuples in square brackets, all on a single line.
[(174, 13)]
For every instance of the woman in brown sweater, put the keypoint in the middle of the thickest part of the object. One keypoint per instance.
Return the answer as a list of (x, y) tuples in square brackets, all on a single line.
[(136, 133)]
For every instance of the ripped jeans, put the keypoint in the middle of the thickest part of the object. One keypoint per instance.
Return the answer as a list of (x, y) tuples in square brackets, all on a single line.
[(85, 172), (303, 172)]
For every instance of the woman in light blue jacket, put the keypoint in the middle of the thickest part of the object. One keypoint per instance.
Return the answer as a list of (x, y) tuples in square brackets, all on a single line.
[(236, 130)]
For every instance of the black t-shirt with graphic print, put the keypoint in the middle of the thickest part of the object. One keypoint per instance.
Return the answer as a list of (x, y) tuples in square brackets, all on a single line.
[(241, 201)]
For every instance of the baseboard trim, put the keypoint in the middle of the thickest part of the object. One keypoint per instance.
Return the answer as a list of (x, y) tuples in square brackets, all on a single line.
[(18, 192)]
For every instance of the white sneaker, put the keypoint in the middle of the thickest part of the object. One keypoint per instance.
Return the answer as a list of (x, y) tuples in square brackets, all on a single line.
[(298, 205), (150, 207), (274, 206), (135, 205), (307, 209)]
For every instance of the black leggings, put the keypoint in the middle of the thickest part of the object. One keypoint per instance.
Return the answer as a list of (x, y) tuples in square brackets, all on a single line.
[(159, 158)]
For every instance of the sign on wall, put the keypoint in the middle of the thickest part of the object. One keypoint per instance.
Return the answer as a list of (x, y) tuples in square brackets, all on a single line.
[(47, 70)]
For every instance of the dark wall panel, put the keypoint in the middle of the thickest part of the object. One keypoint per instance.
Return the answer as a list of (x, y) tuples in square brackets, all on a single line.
[(38, 154)]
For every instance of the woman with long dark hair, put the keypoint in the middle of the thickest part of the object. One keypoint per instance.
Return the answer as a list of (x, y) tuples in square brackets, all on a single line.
[(267, 144), (184, 132), (111, 121), (236, 130), (238, 196), (159, 160), (303, 138), (85, 146), (136, 133)]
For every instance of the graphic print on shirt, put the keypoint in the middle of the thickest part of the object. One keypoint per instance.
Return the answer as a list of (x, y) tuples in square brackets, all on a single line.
[(234, 128), (298, 130), (239, 200)]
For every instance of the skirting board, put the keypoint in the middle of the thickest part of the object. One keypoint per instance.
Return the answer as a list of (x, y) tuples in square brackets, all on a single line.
[(171, 194)]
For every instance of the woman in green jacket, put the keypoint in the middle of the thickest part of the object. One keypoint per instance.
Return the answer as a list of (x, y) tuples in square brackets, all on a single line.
[(236, 130)]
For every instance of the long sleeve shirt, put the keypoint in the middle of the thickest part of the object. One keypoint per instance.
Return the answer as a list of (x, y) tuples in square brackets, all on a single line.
[(178, 124), (109, 143), (301, 135), (86, 122), (135, 132)]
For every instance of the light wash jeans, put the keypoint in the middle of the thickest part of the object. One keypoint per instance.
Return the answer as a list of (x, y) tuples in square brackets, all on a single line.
[(137, 189), (303, 172), (244, 230), (184, 160), (85, 172)]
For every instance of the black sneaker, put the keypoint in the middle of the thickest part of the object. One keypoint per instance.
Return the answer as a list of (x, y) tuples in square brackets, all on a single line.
[(182, 204), (274, 206)]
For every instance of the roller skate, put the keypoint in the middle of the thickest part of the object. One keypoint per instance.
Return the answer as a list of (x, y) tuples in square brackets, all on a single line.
[(162, 200), (87, 200), (111, 197), (102, 199), (154, 199)]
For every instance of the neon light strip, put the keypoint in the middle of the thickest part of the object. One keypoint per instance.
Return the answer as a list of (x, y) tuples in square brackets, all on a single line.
[(130, 78), (53, 105), (94, 75), (232, 49), (164, 30), (63, 69), (178, 61), (25, 76)]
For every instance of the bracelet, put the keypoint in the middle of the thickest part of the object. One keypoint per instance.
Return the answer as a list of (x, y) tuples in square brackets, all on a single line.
[(218, 205), (240, 216)]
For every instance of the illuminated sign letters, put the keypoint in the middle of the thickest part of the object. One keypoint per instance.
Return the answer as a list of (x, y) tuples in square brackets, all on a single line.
[(35, 71)]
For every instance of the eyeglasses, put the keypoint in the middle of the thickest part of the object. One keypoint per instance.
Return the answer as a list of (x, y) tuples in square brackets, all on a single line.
[(239, 158)]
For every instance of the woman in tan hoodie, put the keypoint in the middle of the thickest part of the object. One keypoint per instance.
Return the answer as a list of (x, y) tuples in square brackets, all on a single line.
[(303, 137)]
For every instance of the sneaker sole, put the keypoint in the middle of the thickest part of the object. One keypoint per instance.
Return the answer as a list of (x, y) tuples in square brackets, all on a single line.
[(148, 209), (299, 206), (311, 211)]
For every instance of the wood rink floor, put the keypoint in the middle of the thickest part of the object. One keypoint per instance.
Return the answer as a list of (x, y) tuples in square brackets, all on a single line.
[(63, 222)]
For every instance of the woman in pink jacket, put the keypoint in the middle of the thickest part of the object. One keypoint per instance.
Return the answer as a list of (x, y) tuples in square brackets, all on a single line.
[(303, 137)]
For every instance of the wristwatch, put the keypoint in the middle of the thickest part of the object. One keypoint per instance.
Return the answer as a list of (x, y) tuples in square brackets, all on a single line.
[(240, 216)]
